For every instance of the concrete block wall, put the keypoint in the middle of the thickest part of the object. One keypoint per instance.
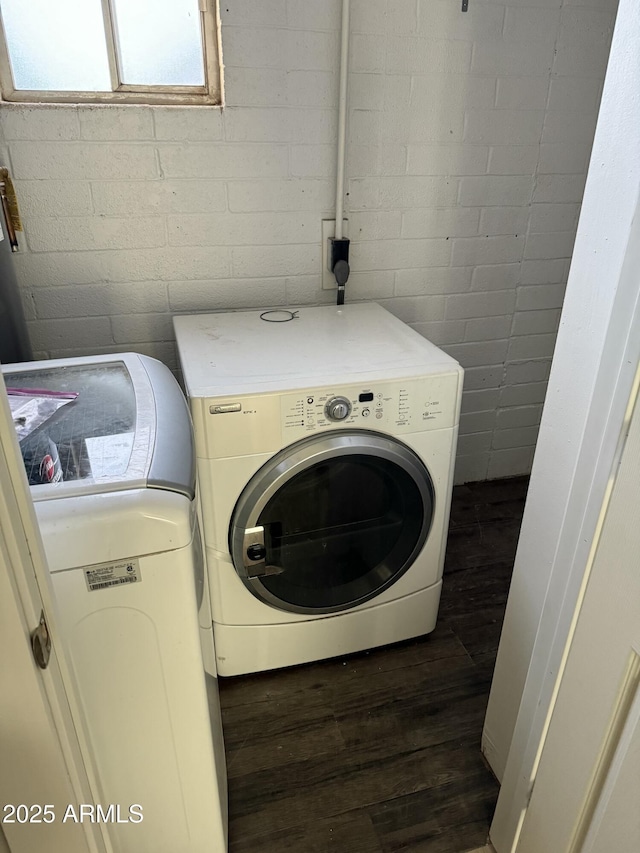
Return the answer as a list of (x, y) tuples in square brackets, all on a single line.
[(468, 142)]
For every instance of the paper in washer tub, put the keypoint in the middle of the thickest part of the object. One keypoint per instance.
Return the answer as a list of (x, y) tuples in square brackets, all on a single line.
[(107, 575)]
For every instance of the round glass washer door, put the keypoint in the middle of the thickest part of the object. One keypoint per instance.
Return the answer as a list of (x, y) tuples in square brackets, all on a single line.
[(331, 521)]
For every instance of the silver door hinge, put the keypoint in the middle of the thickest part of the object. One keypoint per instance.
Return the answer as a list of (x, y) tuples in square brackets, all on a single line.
[(41, 643)]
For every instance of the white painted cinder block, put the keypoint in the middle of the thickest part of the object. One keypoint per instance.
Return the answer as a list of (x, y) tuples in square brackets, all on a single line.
[(474, 443), (487, 250), (192, 124), (496, 190), (239, 160), (513, 159), (477, 422), (467, 305), (471, 468), (263, 47), (313, 14), (440, 332), (467, 143), (553, 217), (531, 346), (488, 328), (549, 246), (80, 234), (559, 188), (440, 222), (122, 198), (294, 194), (37, 122), (276, 124), (563, 158), (505, 219), (110, 122), (535, 322), (495, 277), (54, 198), (371, 285), (416, 309), (525, 23), (95, 300), (550, 271), (242, 229), (442, 17), (503, 58), (575, 93), (378, 225), (447, 159), (435, 280), (518, 416), (478, 354), (254, 261), (395, 254), (376, 16), (141, 327), (510, 463), (82, 161), (255, 13), (540, 297), (220, 294), (312, 161), (513, 127), (522, 93), (523, 395)]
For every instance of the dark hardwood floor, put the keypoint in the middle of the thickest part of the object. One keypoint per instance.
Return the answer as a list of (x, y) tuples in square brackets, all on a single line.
[(379, 752)]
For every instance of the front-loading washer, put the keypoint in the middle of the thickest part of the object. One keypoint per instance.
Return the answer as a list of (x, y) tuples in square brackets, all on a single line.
[(325, 442)]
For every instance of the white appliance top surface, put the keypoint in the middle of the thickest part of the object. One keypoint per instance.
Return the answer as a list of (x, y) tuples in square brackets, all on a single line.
[(240, 353)]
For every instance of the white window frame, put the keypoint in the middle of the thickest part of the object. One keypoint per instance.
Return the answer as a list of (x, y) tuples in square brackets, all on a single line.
[(210, 93)]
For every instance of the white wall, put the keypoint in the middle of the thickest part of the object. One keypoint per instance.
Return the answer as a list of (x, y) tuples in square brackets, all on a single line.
[(469, 136)]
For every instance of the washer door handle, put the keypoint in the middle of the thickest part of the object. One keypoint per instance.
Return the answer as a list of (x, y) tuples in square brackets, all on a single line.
[(255, 554)]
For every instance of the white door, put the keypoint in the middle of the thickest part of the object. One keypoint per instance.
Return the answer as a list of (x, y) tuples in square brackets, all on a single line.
[(40, 754), (585, 796)]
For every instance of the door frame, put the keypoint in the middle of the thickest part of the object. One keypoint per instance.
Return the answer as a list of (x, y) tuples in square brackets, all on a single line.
[(48, 693), (583, 428)]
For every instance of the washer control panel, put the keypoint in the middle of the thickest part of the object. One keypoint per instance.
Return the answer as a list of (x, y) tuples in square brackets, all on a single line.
[(402, 406)]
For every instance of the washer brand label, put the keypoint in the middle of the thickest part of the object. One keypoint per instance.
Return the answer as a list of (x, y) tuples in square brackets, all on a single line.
[(105, 575)]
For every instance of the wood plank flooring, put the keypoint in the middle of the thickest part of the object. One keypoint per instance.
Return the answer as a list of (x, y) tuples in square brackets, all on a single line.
[(379, 752)]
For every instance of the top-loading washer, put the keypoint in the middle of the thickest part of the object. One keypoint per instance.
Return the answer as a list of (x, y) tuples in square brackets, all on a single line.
[(113, 483), (325, 443)]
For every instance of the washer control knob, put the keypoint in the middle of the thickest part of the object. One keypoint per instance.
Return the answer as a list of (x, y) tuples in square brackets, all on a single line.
[(338, 408)]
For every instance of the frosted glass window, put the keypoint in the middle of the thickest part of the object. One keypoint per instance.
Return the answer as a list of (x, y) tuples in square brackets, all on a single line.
[(160, 42), (110, 51), (57, 46)]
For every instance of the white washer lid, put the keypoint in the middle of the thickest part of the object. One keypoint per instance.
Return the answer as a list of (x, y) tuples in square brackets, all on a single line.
[(128, 426), (240, 353)]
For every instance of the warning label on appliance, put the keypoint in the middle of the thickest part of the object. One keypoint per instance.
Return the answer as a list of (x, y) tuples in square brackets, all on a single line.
[(106, 575)]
